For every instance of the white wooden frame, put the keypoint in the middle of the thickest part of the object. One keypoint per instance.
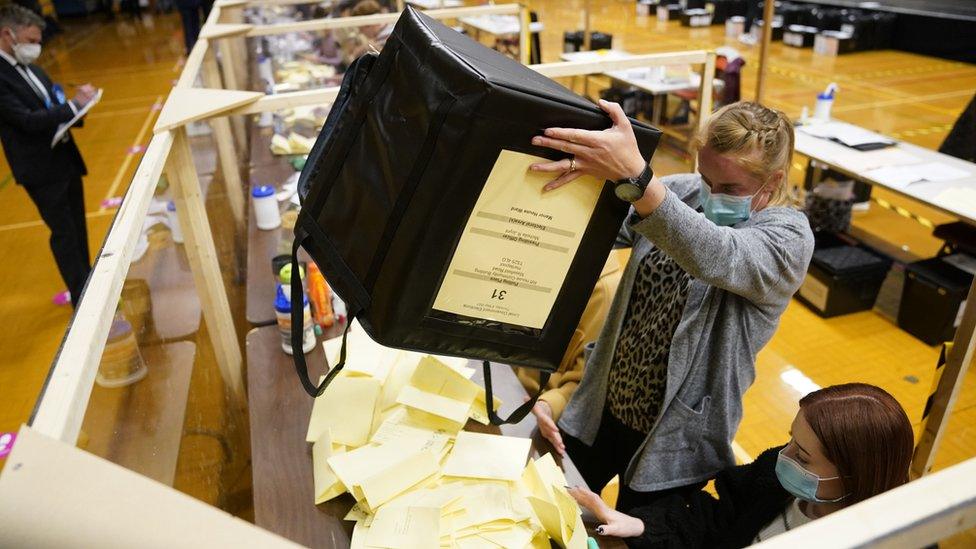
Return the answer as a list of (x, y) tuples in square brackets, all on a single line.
[(926, 510)]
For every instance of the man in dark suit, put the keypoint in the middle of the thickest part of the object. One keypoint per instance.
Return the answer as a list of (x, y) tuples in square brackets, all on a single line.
[(31, 109)]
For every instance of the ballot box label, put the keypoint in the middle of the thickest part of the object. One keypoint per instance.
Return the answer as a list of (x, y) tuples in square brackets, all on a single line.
[(517, 245)]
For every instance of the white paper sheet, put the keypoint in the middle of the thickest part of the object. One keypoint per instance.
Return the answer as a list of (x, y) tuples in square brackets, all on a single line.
[(848, 134), (901, 176)]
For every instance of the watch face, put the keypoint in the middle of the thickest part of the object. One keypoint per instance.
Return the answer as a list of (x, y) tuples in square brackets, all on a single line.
[(628, 192)]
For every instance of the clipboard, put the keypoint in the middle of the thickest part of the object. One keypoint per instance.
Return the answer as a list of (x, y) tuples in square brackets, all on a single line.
[(63, 128)]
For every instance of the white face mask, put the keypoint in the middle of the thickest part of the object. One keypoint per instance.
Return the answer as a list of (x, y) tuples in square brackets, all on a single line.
[(25, 53)]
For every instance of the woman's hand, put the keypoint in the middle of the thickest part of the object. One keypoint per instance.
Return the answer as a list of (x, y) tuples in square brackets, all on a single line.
[(547, 426), (613, 522), (609, 154)]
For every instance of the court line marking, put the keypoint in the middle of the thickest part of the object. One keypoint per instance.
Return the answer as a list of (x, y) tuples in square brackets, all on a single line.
[(40, 223), (146, 125), (902, 101)]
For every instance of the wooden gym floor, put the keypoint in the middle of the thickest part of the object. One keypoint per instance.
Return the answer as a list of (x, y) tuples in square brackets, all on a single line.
[(912, 97)]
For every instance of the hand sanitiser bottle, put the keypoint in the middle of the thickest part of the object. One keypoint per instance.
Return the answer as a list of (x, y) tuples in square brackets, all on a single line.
[(825, 100)]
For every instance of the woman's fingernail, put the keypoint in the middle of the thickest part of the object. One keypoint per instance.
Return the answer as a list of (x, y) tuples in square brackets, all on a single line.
[(548, 132), (536, 140)]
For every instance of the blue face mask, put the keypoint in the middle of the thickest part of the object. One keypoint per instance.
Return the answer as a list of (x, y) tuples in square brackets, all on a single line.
[(724, 209), (798, 481)]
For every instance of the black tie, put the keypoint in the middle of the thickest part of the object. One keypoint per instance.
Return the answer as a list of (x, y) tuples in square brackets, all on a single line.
[(27, 76)]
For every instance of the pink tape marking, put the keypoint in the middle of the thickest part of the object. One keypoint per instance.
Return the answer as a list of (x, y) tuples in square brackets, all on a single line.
[(7, 443), (113, 202)]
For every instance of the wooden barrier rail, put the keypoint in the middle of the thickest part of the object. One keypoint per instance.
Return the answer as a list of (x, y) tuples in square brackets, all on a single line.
[(939, 504)]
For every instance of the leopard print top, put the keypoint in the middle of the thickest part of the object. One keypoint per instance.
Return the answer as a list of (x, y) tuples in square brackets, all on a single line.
[(639, 373)]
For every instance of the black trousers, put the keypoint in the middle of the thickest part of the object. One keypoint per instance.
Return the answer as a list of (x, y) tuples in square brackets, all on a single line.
[(190, 16), (612, 450), (61, 204)]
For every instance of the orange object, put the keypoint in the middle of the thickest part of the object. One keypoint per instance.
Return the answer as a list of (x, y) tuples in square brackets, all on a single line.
[(320, 295)]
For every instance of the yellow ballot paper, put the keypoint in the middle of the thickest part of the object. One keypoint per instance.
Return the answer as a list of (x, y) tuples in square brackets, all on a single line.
[(363, 355), (346, 409), (384, 486), (405, 528), (355, 466), (479, 408), (517, 245), (579, 537), (399, 426), (548, 515), (541, 475), (433, 376), (479, 455), (327, 484), (447, 408), (398, 377)]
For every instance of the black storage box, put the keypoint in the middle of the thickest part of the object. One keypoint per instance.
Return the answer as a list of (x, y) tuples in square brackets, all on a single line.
[(418, 206), (573, 41), (860, 26), (669, 12), (696, 18), (792, 14), (931, 299), (826, 18), (799, 36), (842, 280), (757, 29), (833, 43), (629, 99)]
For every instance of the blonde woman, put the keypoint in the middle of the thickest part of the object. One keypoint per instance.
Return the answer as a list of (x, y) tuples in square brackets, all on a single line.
[(716, 256)]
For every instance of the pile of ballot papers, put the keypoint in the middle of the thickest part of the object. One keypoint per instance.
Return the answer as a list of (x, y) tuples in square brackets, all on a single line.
[(388, 431), (292, 127), (302, 75), (294, 143)]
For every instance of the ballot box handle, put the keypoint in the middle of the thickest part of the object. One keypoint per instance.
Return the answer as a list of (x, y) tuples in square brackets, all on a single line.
[(298, 329), (520, 412)]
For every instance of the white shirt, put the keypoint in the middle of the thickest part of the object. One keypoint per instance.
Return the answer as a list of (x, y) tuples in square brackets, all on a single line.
[(791, 517)]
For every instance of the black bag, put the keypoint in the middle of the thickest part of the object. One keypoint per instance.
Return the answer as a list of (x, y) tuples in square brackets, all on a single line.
[(393, 179)]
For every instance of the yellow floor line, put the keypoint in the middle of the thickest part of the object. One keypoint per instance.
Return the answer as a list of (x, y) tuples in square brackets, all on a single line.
[(904, 100), (120, 112), (128, 157), (39, 223)]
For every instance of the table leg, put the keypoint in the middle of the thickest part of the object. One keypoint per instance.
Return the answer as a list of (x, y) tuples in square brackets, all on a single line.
[(660, 103)]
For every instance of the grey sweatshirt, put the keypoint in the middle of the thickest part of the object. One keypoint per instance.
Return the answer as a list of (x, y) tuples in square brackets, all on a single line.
[(743, 279)]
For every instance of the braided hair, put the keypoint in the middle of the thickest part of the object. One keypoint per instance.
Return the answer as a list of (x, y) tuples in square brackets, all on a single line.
[(761, 140)]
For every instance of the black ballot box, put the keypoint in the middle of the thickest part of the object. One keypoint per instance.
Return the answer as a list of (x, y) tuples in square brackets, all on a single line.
[(843, 279), (420, 209), (799, 36), (932, 299)]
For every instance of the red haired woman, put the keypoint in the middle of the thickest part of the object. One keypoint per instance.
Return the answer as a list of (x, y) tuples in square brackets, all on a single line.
[(848, 443)]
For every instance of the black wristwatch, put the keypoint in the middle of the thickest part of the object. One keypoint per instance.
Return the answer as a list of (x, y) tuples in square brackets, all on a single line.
[(632, 189)]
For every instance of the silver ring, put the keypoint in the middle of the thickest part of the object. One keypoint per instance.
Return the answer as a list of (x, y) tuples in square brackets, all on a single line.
[(572, 163)]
